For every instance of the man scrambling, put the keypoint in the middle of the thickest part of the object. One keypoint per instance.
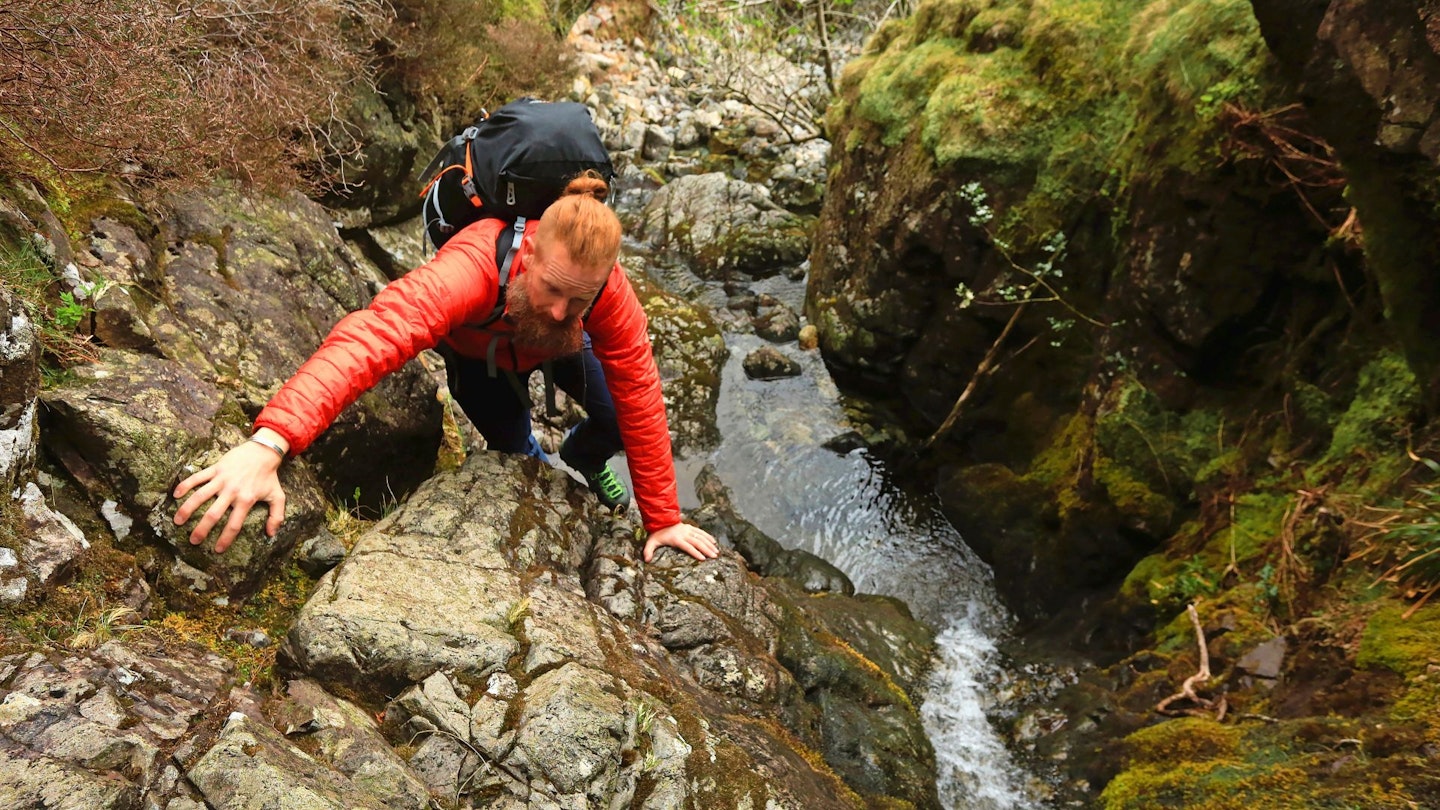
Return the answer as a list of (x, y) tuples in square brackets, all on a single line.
[(568, 303)]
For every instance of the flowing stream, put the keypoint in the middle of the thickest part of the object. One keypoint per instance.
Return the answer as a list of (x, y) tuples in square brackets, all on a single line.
[(844, 507)]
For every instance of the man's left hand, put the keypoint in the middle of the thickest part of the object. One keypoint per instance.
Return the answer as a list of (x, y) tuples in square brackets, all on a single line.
[(690, 539)]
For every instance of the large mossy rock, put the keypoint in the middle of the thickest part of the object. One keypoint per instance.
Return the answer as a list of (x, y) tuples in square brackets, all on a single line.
[(203, 319), (1116, 151), (395, 142), (500, 618)]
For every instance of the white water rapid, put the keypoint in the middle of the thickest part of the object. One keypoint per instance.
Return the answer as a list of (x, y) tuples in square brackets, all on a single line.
[(843, 508)]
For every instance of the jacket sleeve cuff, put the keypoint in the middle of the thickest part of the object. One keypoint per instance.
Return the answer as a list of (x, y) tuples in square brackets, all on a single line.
[(295, 445)]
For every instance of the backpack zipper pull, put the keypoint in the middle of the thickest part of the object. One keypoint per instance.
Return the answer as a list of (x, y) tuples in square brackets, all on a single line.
[(509, 193)]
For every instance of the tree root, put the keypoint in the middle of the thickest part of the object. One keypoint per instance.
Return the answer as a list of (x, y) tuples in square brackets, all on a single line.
[(1201, 707)]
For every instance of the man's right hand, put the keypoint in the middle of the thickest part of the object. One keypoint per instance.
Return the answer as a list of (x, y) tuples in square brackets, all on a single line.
[(241, 478)]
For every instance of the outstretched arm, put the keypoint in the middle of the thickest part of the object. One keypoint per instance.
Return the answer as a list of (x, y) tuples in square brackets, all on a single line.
[(241, 478)]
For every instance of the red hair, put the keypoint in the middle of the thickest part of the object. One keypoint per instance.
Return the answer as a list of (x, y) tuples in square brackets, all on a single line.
[(583, 223)]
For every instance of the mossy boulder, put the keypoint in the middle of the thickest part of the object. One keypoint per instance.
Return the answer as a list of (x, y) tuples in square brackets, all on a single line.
[(394, 142), (528, 656), (689, 353), (211, 308), (723, 227)]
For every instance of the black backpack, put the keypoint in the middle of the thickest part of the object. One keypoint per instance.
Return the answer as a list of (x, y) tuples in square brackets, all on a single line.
[(512, 163)]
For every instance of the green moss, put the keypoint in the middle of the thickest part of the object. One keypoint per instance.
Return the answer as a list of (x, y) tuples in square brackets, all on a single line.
[(1141, 583), (985, 111), (1163, 449), (1259, 518), (1075, 96), (1386, 401), (1134, 498), (1405, 646), (895, 90), (1059, 461), (1192, 763), (1189, 738), (1418, 704)]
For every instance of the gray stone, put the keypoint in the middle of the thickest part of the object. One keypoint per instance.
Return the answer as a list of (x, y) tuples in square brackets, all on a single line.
[(320, 553), (633, 135), (778, 324), (658, 143), (346, 738), (721, 225), (28, 781), (571, 730), (769, 363), (53, 542), (104, 708), (1265, 660), (110, 712), (251, 765), (433, 587), (444, 764), (13, 591), (559, 625)]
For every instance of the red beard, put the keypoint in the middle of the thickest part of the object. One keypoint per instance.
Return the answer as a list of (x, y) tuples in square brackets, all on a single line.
[(536, 331)]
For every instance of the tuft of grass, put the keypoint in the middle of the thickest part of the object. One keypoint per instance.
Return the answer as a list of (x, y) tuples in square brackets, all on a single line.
[(56, 315), (1405, 540), (105, 624), (517, 612)]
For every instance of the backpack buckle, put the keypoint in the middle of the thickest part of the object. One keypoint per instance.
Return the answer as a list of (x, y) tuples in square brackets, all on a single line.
[(467, 185)]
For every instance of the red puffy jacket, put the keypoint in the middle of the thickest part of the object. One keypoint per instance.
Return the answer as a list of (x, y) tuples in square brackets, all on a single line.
[(432, 303)]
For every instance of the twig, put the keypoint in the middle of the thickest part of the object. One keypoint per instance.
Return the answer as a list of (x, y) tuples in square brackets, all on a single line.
[(1232, 568), (987, 365), (1187, 689)]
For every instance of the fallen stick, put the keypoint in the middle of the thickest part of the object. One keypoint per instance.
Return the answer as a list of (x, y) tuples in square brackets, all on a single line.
[(1187, 690)]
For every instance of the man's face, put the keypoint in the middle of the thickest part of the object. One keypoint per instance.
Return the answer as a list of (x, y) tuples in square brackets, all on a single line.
[(546, 303)]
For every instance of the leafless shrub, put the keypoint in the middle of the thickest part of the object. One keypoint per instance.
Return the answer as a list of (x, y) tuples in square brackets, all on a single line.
[(465, 56), (178, 91), (780, 57)]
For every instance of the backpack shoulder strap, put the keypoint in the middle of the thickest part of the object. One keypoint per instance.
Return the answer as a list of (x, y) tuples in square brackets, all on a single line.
[(507, 244)]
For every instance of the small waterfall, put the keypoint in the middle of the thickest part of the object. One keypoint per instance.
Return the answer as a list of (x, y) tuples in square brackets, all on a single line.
[(843, 507)]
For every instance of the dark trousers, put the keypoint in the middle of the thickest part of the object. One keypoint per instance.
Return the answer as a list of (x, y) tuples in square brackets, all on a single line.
[(503, 417)]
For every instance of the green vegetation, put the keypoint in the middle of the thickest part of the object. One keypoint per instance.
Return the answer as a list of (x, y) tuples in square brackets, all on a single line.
[(1070, 96), (1386, 402), (26, 275), (1193, 762)]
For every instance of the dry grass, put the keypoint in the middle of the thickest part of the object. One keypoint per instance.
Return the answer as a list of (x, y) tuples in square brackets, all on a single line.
[(179, 90)]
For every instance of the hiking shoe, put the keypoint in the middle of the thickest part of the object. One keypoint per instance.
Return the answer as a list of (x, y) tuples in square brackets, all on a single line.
[(608, 487)]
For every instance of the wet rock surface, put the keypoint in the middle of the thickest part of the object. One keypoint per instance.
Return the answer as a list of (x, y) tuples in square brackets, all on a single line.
[(769, 363)]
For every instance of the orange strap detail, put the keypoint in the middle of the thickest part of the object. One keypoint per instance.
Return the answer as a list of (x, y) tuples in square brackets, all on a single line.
[(470, 173), (441, 174)]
